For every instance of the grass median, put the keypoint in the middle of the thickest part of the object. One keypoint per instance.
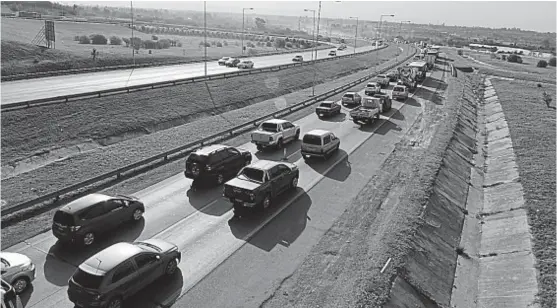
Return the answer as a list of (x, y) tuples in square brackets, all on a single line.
[(71, 170), (532, 126)]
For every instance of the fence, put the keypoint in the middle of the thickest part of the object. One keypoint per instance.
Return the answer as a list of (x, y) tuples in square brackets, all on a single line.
[(188, 148)]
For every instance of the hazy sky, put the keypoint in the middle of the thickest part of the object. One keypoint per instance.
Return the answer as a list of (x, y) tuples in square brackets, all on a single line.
[(527, 15)]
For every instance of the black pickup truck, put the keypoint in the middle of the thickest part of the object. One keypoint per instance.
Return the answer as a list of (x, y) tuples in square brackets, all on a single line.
[(256, 185)]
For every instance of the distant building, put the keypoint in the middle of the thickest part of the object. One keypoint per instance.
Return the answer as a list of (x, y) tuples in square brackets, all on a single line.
[(28, 14)]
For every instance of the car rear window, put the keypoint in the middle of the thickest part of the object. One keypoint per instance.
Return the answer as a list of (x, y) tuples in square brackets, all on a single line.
[(252, 174), (269, 127), (349, 95), (87, 280), (371, 85), (381, 76), (311, 139), (326, 105), (64, 218), (197, 158), (398, 89)]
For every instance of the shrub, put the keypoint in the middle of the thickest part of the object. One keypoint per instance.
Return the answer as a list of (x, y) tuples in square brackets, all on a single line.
[(76, 38), (542, 63), (219, 44), (225, 43), (288, 45), (252, 52), (114, 40), (269, 44), (149, 44), (179, 44), (84, 39), (163, 44), (552, 61), (514, 58), (154, 37), (98, 39), (136, 43), (504, 57), (460, 52), (127, 41)]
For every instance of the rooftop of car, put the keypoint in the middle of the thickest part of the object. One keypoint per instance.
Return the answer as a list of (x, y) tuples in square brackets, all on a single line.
[(327, 102), (265, 164), (210, 149), (85, 202), (276, 121), (349, 93), (109, 258), (318, 132)]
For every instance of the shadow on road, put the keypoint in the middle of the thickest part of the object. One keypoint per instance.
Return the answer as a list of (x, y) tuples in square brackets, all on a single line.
[(284, 229), (412, 101), (381, 126), (341, 117), (292, 152), (431, 95), (395, 114), (202, 196), (63, 259), (25, 296), (163, 292), (340, 172)]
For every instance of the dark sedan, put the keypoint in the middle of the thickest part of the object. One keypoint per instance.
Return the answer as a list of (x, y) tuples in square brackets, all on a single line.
[(327, 108)]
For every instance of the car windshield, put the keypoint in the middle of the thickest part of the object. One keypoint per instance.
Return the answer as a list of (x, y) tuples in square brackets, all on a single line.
[(225, 58), (87, 280), (269, 127), (326, 105), (252, 174), (381, 76), (371, 85), (349, 95), (197, 158), (398, 89), (311, 139), (64, 218)]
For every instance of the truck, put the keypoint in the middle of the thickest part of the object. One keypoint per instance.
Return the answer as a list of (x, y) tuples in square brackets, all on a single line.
[(371, 109), (420, 67), (430, 57), (407, 77), (275, 133)]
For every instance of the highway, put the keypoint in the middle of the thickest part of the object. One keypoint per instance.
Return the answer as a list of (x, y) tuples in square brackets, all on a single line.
[(24, 90), (235, 263)]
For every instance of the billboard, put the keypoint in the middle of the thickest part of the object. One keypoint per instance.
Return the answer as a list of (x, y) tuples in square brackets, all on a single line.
[(49, 30)]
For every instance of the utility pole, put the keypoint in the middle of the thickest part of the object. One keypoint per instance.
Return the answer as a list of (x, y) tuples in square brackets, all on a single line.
[(205, 34), (315, 47), (133, 47)]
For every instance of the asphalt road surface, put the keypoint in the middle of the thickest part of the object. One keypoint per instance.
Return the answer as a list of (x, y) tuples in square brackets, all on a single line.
[(235, 263), (24, 90)]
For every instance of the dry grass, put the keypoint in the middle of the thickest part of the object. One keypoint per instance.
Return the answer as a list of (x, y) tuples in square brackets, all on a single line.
[(532, 127), (19, 56)]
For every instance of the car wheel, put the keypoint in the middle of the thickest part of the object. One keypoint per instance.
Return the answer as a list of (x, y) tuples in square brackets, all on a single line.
[(115, 302), (220, 179), (267, 201), (294, 183), (137, 214), (88, 238), (20, 285), (259, 147), (297, 136), (171, 267), (280, 144)]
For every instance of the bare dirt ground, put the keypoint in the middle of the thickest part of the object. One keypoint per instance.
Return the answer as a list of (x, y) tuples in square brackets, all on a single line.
[(344, 269)]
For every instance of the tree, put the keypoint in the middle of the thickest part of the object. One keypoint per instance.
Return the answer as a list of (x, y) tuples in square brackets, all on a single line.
[(219, 44), (542, 63), (514, 58), (98, 39), (552, 61), (225, 43), (84, 39), (269, 44), (114, 40), (136, 43), (154, 37), (546, 44), (127, 41), (280, 43), (260, 23)]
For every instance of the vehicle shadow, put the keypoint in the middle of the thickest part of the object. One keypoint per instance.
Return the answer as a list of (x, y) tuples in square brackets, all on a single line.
[(201, 198), (24, 297), (431, 95), (412, 101), (340, 172), (63, 259), (164, 292), (341, 117), (292, 152), (382, 126), (395, 113), (283, 229)]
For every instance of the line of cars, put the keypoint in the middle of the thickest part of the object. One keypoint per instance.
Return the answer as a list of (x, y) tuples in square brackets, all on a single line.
[(235, 62)]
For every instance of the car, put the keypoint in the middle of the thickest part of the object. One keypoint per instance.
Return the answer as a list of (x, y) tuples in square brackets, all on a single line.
[(257, 185), (399, 92), (232, 62), (245, 64), (392, 75), (372, 88), (319, 143), (351, 98), (216, 163), (383, 80), (82, 220), (332, 53), (114, 274), (223, 60), (275, 133), (327, 108), (9, 296), (18, 270), (298, 59)]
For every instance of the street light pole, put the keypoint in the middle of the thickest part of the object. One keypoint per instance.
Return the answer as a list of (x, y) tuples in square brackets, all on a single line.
[(356, 35), (314, 37), (379, 34), (205, 34), (243, 22), (315, 47), (399, 30)]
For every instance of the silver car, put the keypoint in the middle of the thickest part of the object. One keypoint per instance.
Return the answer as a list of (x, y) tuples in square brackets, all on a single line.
[(18, 270)]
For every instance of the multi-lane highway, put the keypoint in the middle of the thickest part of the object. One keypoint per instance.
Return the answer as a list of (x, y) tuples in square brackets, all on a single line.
[(24, 90), (235, 263)]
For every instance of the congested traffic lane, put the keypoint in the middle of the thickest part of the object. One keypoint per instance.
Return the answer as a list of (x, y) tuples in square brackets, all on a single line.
[(23, 90)]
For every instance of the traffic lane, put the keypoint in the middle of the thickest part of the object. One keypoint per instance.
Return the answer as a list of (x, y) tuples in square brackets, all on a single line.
[(250, 275), (87, 82), (167, 203)]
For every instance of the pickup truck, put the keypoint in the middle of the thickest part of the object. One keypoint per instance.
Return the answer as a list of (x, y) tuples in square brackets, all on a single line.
[(372, 88), (383, 80), (327, 108), (275, 133), (371, 109), (256, 185)]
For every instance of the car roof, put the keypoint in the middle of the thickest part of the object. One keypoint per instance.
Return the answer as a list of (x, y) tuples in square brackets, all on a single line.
[(266, 164), (275, 121), (328, 102), (210, 149), (108, 258), (85, 202), (350, 93), (318, 132)]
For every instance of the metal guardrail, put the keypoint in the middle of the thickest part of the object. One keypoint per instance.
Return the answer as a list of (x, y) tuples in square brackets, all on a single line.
[(188, 148), (66, 98)]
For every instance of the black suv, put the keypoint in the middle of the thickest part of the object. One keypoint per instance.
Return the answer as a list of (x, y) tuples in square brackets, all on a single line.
[(215, 163), (85, 218)]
